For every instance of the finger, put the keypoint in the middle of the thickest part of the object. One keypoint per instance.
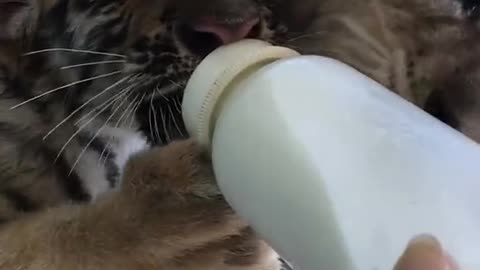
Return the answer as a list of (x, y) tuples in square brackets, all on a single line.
[(425, 253)]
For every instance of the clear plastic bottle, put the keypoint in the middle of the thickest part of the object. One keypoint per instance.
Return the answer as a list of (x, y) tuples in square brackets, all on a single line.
[(332, 169)]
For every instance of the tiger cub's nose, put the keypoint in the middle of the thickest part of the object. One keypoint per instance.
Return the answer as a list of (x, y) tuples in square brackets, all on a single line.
[(206, 34)]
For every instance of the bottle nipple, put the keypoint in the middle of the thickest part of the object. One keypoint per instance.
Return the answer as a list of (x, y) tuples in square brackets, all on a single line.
[(213, 76)]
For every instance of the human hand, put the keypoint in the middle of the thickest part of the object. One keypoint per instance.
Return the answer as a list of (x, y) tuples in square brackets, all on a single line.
[(425, 253)]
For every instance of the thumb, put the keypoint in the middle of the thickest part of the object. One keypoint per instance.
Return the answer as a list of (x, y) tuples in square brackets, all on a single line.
[(425, 253)]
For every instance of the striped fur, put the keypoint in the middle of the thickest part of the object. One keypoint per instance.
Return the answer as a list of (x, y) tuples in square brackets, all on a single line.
[(90, 91)]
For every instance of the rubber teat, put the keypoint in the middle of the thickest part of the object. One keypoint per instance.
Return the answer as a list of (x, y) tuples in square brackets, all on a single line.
[(213, 76)]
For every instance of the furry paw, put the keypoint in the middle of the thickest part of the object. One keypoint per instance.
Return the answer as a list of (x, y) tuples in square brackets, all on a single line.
[(180, 169)]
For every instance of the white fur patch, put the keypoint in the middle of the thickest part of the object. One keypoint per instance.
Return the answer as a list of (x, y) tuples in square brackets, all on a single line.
[(93, 173), (125, 144), (91, 169)]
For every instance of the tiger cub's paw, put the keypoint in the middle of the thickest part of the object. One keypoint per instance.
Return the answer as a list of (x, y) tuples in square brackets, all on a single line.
[(181, 168)]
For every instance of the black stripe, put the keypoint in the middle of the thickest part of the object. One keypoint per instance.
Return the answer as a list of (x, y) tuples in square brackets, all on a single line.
[(113, 40), (19, 201), (170, 126), (104, 36), (57, 17), (436, 105), (81, 6), (96, 144), (71, 183), (100, 4), (112, 172), (472, 8)]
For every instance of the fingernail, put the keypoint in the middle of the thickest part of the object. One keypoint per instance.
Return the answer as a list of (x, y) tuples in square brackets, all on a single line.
[(424, 245), (425, 241), (424, 252)]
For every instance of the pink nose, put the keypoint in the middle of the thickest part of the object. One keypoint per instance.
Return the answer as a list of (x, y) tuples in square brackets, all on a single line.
[(228, 32)]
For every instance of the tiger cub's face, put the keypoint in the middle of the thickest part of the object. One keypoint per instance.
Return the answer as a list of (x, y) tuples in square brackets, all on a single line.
[(132, 56)]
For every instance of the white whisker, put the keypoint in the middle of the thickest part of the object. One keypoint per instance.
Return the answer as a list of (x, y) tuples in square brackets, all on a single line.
[(137, 106), (164, 122), (177, 84), (309, 35), (101, 105), (93, 64), (175, 121), (103, 152), (158, 91), (98, 132), (155, 124), (130, 113), (118, 100), (83, 126), (74, 51), (130, 109), (150, 122), (177, 103), (106, 151), (101, 160), (106, 158), (63, 87), (85, 104), (131, 103)]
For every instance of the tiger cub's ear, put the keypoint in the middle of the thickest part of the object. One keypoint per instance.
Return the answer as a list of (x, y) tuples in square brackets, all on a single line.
[(14, 15)]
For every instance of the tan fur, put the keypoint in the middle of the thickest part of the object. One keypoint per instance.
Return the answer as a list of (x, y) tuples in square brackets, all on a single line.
[(382, 38), (159, 220)]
